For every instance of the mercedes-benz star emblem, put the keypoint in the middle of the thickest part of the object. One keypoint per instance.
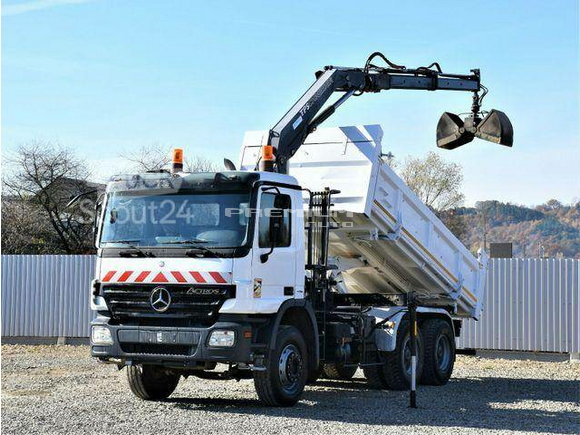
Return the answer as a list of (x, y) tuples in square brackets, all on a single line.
[(160, 299)]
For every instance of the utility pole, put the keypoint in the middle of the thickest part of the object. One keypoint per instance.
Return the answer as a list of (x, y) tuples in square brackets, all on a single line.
[(484, 231)]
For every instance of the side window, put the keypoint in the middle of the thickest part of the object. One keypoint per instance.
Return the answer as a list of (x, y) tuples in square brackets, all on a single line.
[(271, 216)]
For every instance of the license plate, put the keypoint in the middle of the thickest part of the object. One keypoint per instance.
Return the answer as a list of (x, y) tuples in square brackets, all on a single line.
[(158, 337), (175, 336)]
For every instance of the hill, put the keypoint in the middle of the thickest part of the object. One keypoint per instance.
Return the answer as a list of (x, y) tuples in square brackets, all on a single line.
[(550, 230)]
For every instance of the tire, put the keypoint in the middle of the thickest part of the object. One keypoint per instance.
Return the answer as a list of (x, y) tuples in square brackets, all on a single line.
[(150, 382), (315, 375), (394, 373), (397, 370), (283, 381), (339, 371), (439, 352), (374, 375)]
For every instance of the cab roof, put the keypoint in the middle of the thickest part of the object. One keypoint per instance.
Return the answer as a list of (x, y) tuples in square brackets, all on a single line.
[(164, 180)]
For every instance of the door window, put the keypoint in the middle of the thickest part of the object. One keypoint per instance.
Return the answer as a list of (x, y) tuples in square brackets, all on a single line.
[(272, 216)]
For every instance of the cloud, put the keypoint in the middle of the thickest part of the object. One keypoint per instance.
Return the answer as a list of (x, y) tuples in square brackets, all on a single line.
[(31, 6)]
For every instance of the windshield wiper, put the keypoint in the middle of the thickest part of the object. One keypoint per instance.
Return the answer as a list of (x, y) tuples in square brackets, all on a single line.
[(124, 241), (200, 250), (196, 245), (132, 248), (186, 242)]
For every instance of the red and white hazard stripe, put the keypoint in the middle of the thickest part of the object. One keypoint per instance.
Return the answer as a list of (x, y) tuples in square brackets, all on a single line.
[(173, 276)]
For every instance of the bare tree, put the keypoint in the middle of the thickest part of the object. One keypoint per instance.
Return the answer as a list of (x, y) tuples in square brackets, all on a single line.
[(24, 228), (40, 180), (435, 181), (147, 158), (200, 164), (157, 156)]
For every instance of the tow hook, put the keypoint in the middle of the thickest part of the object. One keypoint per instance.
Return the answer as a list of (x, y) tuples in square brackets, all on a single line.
[(258, 364)]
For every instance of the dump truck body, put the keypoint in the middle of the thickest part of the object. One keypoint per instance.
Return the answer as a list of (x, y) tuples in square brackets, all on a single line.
[(386, 240)]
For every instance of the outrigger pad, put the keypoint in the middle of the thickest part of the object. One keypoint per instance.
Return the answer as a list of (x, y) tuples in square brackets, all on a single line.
[(451, 132), (496, 127)]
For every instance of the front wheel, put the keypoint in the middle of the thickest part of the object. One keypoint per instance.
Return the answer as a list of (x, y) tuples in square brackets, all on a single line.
[(149, 382), (315, 375), (283, 381)]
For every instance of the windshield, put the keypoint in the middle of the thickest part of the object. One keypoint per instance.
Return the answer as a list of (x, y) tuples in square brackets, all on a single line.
[(211, 220)]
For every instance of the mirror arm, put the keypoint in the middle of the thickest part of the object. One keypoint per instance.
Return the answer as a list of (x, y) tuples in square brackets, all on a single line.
[(98, 208), (79, 196), (264, 257)]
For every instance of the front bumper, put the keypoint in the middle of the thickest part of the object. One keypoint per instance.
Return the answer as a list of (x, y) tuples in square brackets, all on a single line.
[(173, 346)]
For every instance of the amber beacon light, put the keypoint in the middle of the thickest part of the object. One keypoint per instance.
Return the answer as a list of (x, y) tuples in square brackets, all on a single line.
[(177, 160), (267, 160)]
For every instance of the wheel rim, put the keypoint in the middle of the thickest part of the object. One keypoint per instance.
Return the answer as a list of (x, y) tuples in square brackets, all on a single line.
[(443, 352), (290, 368)]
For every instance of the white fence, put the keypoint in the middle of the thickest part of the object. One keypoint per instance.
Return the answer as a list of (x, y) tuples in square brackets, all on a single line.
[(46, 295), (530, 305)]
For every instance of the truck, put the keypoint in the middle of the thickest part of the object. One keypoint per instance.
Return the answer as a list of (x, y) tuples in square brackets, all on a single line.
[(313, 258)]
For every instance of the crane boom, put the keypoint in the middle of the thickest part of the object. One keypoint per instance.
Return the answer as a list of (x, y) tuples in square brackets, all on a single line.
[(291, 131)]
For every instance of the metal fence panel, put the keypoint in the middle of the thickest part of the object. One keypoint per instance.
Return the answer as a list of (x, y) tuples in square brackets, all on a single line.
[(529, 305), (46, 295)]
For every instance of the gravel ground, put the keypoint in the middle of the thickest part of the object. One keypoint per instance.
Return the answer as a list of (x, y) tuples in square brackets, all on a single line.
[(59, 389)]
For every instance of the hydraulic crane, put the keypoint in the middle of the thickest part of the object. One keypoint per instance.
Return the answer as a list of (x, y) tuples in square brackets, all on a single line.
[(234, 273), (290, 132)]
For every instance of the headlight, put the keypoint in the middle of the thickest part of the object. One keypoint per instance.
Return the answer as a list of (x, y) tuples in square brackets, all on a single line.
[(222, 338), (101, 336)]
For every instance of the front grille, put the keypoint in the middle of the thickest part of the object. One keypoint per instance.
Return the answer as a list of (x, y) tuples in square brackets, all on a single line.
[(197, 303), (156, 349)]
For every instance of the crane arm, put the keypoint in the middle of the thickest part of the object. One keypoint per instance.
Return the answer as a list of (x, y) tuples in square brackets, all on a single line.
[(291, 131)]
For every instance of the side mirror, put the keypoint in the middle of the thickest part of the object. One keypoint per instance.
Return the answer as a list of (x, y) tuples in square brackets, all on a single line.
[(274, 229), (282, 202)]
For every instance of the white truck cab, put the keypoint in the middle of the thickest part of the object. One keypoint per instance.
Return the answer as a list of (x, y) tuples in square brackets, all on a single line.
[(206, 229)]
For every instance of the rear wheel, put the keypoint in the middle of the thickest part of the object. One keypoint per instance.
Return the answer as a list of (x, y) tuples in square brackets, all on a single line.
[(439, 352), (283, 381), (395, 371), (339, 371), (397, 368), (374, 374), (150, 382)]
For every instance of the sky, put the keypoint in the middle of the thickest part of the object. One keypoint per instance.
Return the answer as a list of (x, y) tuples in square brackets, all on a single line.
[(105, 77)]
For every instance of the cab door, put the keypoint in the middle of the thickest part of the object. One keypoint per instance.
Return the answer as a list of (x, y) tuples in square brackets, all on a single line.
[(275, 252)]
